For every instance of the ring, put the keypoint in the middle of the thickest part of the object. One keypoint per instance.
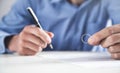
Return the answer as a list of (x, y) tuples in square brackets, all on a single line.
[(83, 38)]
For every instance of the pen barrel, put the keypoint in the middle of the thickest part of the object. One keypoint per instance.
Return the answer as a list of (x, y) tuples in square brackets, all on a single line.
[(37, 23)]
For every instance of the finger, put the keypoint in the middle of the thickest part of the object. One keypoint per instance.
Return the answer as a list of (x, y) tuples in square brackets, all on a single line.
[(43, 45), (35, 40), (116, 56), (50, 34), (44, 36), (39, 33), (40, 49), (114, 49), (99, 36), (31, 46), (32, 38), (28, 52), (111, 40)]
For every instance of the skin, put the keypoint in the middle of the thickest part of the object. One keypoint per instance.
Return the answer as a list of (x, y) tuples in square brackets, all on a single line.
[(76, 2), (32, 39), (108, 38)]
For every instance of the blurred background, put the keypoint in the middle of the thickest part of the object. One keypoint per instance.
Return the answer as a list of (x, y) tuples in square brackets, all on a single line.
[(5, 6)]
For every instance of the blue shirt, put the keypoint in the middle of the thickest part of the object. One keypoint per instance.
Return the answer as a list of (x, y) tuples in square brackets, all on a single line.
[(68, 22)]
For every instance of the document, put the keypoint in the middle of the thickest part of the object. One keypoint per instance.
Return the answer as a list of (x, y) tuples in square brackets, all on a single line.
[(85, 59), (81, 59)]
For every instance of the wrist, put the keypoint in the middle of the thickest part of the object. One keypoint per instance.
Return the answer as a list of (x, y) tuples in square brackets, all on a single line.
[(10, 42)]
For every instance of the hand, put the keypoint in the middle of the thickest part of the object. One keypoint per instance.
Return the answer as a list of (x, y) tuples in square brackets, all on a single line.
[(108, 38), (30, 41)]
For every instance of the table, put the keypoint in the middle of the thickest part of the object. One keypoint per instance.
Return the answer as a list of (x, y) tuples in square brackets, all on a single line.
[(60, 62)]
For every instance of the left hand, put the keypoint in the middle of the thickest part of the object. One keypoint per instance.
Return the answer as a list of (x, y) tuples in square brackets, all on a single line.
[(108, 38)]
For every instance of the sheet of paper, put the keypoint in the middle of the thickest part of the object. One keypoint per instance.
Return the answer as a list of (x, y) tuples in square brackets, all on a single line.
[(16, 59), (52, 62), (96, 60), (82, 59)]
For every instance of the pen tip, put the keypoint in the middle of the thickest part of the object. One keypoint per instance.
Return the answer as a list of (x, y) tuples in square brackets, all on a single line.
[(51, 46)]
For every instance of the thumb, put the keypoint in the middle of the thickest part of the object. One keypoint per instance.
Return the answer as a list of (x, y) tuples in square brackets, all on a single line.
[(50, 34)]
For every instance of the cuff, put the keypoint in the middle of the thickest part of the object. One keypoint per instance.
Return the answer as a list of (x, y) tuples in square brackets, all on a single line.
[(3, 49), (2, 45)]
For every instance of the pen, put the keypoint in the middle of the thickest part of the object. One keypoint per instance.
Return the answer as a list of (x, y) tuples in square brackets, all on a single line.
[(30, 10)]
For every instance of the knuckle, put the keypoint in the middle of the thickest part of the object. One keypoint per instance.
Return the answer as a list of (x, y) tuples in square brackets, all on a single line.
[(22, 35), (104, 44), (115, 56), (111, 49), (39, 31), (37, 48), (111, 38), (40, 49), (110, 30), (48, 40), (45, 36), (44, 45), (26, 28)]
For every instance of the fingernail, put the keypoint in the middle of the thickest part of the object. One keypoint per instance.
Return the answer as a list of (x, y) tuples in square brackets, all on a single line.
[(49, 40), (91, 40), (40, 49)]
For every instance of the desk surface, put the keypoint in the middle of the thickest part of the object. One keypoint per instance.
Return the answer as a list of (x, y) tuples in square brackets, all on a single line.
[(60, 62)]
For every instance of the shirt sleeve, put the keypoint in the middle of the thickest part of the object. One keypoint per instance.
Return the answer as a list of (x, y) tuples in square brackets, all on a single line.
[(2, 47), (14, 21), (114, 11)]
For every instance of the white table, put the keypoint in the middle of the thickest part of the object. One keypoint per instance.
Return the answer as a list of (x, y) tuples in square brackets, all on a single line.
[(60, 62)]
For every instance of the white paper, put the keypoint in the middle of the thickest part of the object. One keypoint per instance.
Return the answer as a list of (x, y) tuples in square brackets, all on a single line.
[(89, 60), (81, 59)]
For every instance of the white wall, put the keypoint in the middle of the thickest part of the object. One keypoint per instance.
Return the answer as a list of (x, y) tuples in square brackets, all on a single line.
[(5, 6)]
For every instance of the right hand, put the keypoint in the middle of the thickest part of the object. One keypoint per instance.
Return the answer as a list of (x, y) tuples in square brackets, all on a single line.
[(30, 41)]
